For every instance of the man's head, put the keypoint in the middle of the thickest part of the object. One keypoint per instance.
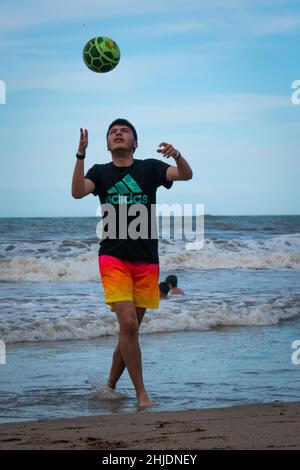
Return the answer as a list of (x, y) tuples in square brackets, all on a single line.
[(164, 288), (121, 135), (171, 280)]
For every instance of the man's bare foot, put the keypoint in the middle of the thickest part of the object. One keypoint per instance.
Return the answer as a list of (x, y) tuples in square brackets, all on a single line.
[(145, 402), (108, 393)]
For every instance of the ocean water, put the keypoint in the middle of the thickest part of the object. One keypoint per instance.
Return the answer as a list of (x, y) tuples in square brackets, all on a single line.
[(227, 341)]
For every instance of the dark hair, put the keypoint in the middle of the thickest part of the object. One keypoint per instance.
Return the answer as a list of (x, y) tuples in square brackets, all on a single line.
[(171, 280), (164, 288), (124, 122)]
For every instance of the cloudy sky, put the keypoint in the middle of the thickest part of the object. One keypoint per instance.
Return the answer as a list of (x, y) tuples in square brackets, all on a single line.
[(214, 78)]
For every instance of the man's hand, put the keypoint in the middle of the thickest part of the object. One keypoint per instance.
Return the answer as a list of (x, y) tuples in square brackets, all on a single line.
[(84, 141), (168, 150), (182, 171)]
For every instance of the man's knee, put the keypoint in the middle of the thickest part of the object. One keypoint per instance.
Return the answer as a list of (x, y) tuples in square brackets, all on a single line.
[(127, 319), (129, 325)]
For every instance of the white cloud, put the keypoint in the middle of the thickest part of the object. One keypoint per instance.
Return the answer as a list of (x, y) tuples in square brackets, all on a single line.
[(30, 13), (174, 115), (171, 27), (238, 16), (16, 15), (133, 71), (275, 25)]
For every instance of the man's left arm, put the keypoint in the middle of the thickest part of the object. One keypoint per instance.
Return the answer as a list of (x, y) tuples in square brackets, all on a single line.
[(182, 171)]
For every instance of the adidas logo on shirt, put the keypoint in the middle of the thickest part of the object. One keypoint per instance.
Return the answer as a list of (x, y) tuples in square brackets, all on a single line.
[(126, 191)]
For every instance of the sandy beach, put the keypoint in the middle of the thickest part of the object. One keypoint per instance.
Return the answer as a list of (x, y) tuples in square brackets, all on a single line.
[(257, 426)]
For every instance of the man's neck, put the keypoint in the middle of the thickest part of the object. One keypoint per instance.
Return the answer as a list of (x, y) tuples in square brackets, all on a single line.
[(121, 158)]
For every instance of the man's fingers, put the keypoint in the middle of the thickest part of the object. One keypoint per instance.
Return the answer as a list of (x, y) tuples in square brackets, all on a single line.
[(167, 150), (164, 145), (84, 136)]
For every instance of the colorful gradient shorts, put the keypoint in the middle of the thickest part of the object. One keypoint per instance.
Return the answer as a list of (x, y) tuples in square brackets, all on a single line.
[(129, 280)]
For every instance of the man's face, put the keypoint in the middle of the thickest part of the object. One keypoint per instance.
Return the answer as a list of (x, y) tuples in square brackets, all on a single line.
[(120, 137)]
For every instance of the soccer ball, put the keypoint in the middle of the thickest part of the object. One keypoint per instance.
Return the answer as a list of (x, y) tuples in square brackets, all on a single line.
[(101, 54)]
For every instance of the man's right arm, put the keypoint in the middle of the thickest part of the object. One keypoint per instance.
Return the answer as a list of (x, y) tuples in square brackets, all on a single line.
[(81, 186)]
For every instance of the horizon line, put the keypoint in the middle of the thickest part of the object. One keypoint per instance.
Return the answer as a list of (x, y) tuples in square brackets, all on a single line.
[(95, 216)]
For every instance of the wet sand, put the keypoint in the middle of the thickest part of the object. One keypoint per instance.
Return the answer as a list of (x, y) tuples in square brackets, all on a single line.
[(258, 426)]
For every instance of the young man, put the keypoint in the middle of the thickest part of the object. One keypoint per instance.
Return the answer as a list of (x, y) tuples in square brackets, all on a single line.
[(172, 283), (129, 266)]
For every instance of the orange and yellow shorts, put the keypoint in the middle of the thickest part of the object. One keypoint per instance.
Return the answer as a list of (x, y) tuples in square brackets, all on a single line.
[(129, 280)]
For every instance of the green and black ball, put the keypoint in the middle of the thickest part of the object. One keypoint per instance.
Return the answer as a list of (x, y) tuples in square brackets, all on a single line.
[(101, 54)]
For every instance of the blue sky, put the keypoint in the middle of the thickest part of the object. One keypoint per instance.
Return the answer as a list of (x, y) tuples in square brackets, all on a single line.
[(214, 78)]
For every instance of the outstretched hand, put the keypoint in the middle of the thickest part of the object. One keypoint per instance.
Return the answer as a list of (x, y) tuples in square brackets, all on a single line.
[(167, 150), (84, 140)]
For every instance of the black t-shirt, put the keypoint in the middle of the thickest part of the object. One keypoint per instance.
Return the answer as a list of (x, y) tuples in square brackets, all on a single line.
[(134, 184)]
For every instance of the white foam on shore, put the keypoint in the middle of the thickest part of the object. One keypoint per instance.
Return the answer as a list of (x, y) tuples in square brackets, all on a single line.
[(230, 260), (81, 268), (273, 253), (194, 314)]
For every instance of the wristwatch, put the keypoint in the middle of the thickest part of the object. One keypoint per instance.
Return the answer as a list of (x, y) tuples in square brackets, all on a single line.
[(178, 155), (80, 157)]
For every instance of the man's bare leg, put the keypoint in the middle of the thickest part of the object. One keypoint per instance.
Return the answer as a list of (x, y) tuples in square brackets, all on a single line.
[(130, 348), (118, 364)]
